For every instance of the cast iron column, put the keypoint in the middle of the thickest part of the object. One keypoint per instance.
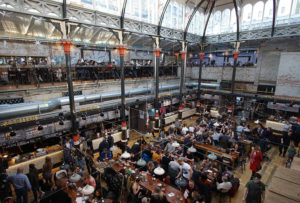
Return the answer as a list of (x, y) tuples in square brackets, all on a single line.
[(122, 49), (183, 55), (199, 82), (67, 49), (235, 56), (156, 103), (157, 55), (200, 75)]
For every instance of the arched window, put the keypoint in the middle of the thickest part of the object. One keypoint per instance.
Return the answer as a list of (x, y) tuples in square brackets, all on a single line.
[(225, 21), (233, 21), (295, 15), (174, 16), (108, 6), (201, 24), (283, 11), (246, 17), (258, 10), (209, 29), (217, 23), (268, 14)]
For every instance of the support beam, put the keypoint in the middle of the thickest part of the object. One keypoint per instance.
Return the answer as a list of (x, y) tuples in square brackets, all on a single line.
[(200, 75), (274, 18), (191, 18), (208, 17), (67, 49), (162, 17), (122, 49), (237, 21), (123, 14), (183, 65), (235, 56)]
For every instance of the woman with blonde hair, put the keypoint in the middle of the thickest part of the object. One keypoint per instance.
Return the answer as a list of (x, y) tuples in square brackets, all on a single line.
[(47, 169), (255, 160)]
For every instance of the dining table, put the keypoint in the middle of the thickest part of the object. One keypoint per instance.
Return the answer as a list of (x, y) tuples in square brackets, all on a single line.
[(172, 194)]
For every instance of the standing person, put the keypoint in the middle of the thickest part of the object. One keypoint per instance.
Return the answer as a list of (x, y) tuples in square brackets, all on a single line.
[(254, 191), (285, 142), (185, 169), (21, 185), (255, 160), (47, 169), (33, 177)]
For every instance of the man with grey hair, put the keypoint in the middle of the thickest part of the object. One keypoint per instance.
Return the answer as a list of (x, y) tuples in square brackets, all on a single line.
[(21, 185)]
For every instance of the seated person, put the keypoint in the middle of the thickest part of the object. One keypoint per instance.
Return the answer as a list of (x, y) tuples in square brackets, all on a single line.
[(169, 147), (206, 163), (150, 167), (134, 158), (187, 141), (225, 186), (189, 156), (165, 161), (105, 155), (189, 190), (156, 156), (136, 188), (179, 151), (158, 196), (79, 171), (103, 145), (88, 179), (136, 147)]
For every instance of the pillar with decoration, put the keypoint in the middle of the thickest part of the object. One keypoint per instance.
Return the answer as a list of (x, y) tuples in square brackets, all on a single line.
[(235, 57), (67, 49), (122, 49)]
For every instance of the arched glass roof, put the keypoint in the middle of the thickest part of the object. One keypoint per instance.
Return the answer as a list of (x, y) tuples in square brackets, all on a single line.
[(253, 14)]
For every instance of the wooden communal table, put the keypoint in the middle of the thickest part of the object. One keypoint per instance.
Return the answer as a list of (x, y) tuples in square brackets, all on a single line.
[(151, 184), (210, 148)]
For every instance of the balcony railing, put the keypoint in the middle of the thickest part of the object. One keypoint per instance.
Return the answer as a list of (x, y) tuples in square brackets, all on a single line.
[(16, 76)]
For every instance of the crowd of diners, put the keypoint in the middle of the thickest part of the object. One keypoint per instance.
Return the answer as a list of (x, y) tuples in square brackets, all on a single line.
[(194, 173)]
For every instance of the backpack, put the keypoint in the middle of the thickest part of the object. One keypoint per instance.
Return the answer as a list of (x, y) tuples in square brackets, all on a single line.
[(235, 186)]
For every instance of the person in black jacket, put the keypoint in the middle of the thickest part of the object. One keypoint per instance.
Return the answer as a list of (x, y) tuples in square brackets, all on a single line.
[(33, 177), (103, 145), (110, 140), (285, 142)]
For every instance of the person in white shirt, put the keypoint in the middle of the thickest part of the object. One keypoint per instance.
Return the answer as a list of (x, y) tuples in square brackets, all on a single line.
[(225, 186), (184, 130), (191, 129), (185, 169)]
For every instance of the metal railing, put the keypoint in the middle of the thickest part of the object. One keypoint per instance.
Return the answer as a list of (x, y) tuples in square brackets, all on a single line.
[(40, 74)]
